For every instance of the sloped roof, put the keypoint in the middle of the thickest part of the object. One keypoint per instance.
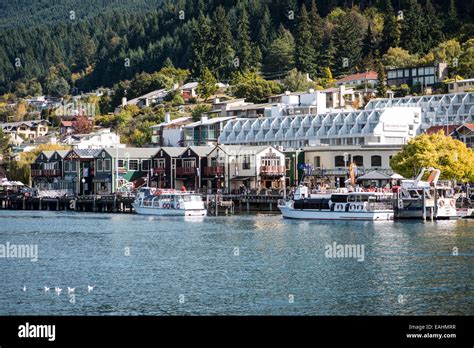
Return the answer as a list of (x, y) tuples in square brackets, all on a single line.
[(189, 85), (202, 151), (172, 151), (375, 175), (132, 152), (370, 75), (436, 129)]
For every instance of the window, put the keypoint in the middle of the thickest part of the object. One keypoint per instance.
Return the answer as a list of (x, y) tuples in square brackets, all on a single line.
[(317, 161), (339, 161), (376, 161), (159, 163), (120, 163), (287, 163), (399, 73), (133, 165), (421, 71), (407, 72), (359, 161), (99, 165), (146, 165), (106, 165), (413, 72), (391, 74), (189, 163), (246, 163)]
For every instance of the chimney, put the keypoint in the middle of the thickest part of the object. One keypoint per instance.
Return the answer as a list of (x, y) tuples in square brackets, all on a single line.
[(175, 86), (124, 101), (204, 119), (311, 90), (287, 92), (216, 101), (167, 117)]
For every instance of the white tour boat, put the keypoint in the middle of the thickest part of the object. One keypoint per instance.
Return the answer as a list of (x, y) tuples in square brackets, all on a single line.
[(415, 195), (151, 201), (370, 206)]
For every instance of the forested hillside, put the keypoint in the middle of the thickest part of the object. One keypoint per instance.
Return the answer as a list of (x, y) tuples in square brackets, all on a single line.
[(55, 46)]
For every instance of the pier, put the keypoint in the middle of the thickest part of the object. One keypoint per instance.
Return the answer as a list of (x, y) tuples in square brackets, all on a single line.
[(104, 204), (216, 204)]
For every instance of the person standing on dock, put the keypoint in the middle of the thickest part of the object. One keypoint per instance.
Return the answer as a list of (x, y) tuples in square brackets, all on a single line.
[(183, 188)]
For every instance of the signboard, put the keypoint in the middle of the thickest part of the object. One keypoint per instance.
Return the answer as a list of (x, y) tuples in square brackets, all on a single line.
[(392, 127)]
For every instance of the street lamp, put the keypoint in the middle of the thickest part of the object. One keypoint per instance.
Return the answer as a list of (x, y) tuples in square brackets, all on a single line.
[(346, 159), (83, 180)]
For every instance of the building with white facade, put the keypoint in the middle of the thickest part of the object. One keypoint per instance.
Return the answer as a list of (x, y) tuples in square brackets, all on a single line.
[(170, 132), (461, 86), (103, 139), (436, 110), (331, 163), (361, 127), (255, 167)]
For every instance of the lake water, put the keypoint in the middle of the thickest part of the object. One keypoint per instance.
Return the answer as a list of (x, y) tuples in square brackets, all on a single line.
[(239, 265)]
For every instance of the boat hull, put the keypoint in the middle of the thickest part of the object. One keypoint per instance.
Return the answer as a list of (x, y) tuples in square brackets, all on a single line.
[(290, 213), (169, 212)]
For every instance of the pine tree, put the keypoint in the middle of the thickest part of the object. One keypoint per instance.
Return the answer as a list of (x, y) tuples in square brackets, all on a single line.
[(304, 50), (200, 48), (221, 43), (207, 84), (264, 33), (452, 22), (316, 24), (347, 43), (433, 27), (244, 48), (280, 57), (369, 42), (381, 86), (391, 28), (412, 28)]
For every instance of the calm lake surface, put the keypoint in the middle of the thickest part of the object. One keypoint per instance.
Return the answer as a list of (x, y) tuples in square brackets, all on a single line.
[(240, 265)]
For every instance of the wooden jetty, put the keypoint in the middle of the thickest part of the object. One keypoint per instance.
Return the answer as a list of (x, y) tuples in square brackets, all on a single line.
[(216, 204), (106, 204)]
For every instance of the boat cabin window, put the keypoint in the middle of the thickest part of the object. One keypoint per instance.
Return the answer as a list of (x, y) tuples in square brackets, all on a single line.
[(339, 198), (315, 204), (358, 198), (191, 198)]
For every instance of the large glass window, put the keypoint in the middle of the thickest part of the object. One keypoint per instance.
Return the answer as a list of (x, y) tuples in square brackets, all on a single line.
[(106, 166), (133, 165), (246, 162), (317, 161), (99, 165), (359, 161), (376, 161), (146, 165), (339, 161)]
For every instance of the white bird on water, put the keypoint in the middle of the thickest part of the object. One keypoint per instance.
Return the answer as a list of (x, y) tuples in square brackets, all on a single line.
[(90, 288), (24, 288), (70, 290), (58, 290), (46, 289)]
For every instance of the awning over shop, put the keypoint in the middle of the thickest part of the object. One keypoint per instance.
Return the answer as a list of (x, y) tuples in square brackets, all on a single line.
[(132, 176), (240, 178), (102, 178), (375, 175)]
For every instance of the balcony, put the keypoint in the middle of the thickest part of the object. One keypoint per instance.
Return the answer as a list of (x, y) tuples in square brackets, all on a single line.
[(272, 170), (216, 170), (36, 172), (158, 171), (46, 172), (186, 171)]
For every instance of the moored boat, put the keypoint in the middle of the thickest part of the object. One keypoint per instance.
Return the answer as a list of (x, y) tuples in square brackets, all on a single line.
[(371, 206), (150, 201)]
